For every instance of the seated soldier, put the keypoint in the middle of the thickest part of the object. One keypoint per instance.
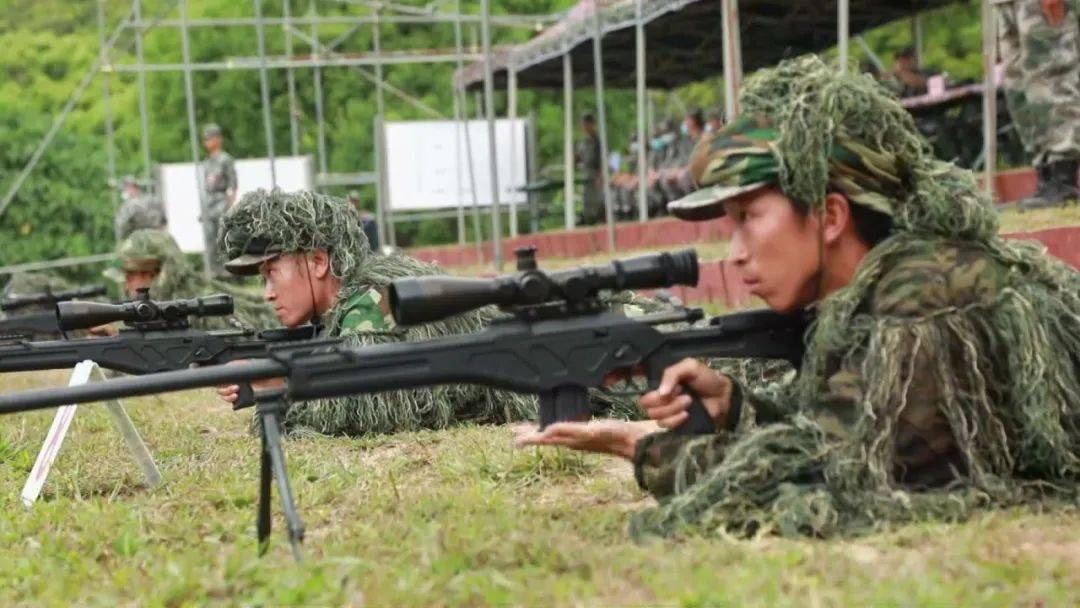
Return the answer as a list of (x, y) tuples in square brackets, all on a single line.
[(152, 259), (316, 265), (943, 369)]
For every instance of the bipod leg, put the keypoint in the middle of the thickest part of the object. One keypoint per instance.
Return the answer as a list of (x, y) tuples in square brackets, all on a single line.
[(270, 406)]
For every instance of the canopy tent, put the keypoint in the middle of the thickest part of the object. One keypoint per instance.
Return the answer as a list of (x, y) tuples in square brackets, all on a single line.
[(684, 38)]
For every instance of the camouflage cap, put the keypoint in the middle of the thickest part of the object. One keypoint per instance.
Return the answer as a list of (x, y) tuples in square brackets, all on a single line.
[(743, 156), (264, 224), (143, 250), (210, 129)]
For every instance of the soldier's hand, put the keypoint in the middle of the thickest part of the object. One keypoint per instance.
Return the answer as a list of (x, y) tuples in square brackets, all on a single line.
[(667, 404), (612, 437), (107, 330), (1054, 11)]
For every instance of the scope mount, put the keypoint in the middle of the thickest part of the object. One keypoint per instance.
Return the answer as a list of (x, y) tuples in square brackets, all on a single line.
[(532, 278)]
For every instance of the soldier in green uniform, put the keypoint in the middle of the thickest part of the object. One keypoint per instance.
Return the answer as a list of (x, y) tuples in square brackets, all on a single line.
[(1040, 47), (942, 372), (140, 209), (588, 156), (317, 266), (219, 192), (152, 259)]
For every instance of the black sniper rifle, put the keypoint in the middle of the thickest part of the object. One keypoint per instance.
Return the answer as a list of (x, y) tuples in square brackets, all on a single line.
[(559, 340), (157, 336), (41, 324), (50, 297)]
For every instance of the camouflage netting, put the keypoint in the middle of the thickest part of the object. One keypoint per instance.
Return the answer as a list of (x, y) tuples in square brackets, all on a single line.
[(308, 221), (177, 279), (1008, 370)]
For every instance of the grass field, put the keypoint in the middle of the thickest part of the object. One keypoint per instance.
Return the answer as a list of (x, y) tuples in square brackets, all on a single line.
[(455, 518), (452, 518)]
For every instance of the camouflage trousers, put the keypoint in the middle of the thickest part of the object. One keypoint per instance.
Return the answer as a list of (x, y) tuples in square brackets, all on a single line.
[(593, 198), (211, 223), (1042, 77)]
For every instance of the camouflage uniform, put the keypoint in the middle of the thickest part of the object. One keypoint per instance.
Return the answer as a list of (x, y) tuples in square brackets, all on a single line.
[(943, 377), (27, 283), (263, 225), (1042, 91), (1042, 76), (588, 154), (156, 250), (145, 211), (219, 183)]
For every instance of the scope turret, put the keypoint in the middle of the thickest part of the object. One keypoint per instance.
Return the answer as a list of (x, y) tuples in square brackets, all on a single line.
[(424, 299), (142, 312), (50, 297)]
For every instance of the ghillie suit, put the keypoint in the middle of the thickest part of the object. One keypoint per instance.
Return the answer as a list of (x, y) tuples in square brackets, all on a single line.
[(944, 377), (156, 249), (306, 221)]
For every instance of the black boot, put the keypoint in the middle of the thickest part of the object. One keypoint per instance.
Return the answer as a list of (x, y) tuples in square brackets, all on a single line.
[(1065, 180), (1043, 191)]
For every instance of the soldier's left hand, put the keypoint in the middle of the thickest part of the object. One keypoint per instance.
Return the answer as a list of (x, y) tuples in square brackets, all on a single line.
[(613, 437)]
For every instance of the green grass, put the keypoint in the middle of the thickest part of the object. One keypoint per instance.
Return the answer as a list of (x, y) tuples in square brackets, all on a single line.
[(454, 518)]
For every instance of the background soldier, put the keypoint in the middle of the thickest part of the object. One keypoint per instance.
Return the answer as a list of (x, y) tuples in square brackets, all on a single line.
[(151, 258), (219, 184), (588, 155), (141, 209), (367, 220), (1040, 47)]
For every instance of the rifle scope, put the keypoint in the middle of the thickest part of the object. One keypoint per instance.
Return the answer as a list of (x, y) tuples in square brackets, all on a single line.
[(142, 311), (424, 299), (49, 297)]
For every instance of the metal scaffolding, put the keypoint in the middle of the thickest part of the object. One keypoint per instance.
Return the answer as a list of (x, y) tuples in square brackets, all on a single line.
[(322, 56)]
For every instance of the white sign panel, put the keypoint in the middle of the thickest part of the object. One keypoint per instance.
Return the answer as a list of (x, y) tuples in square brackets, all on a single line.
[(180, 191), (424, 172)]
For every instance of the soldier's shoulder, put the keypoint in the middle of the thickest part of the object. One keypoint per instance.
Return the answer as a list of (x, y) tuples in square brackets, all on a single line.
[(363, 311), (932, 275)]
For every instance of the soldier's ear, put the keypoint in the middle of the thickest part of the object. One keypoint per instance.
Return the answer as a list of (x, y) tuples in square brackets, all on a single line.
[(320, 263), (837, 217)]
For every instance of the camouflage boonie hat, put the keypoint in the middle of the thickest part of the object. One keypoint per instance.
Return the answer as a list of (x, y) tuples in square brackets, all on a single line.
[(210, 130), (743, 157)]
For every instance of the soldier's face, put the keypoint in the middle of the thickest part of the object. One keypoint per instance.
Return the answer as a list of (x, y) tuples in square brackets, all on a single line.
[(138, 279), (288, 289), (213, 143), (776, 248)]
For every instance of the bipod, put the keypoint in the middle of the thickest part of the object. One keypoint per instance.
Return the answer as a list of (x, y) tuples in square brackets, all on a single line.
[(270, 406)]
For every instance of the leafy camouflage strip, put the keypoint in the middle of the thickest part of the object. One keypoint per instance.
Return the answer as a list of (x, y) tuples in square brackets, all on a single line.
[(177, 279), (952, 354), (1042, 77)]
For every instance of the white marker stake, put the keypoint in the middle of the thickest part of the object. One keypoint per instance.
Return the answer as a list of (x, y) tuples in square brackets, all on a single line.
[(55, 439)]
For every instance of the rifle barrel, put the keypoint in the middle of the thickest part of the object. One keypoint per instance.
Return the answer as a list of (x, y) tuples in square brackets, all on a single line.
[(135, 386)]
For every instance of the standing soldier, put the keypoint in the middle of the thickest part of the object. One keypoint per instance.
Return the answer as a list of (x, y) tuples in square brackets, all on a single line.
[(219, 183), (367, 221), (1040, 47), (588, 154), (140, 210)]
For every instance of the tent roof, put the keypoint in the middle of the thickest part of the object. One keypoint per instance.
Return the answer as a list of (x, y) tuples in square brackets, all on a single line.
[(683, 39)]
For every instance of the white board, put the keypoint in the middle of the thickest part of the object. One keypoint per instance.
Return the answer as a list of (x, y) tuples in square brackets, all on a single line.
[(180, 191), (423, 171)]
